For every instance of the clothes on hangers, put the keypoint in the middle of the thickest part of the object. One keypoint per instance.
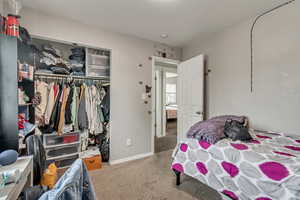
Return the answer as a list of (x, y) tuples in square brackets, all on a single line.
[(68, 112), (105, 104), (82, 113), (51, 102), (70, 106), (93, 101), (64, 99), (74, 107), (55, 111), (42, 95)]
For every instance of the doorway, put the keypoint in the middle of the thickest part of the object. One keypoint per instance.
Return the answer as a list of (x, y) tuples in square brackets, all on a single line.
[(165, 104), (175, 107)]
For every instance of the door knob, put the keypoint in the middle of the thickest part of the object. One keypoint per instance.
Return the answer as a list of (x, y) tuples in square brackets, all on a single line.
[(199, 113)]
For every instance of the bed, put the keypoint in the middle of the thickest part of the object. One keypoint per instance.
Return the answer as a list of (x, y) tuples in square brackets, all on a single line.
[(266, 168), (171, 112)]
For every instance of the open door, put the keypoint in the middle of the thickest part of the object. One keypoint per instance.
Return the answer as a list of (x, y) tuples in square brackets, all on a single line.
[(190, 94)]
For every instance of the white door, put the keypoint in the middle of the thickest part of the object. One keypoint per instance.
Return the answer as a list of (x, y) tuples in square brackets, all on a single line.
[(190, 94)]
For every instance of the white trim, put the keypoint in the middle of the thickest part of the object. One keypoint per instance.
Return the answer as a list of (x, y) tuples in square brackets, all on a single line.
[(164, 116), (165, 60), (153, 93), (153, 104), (158, 102), (136, 157)]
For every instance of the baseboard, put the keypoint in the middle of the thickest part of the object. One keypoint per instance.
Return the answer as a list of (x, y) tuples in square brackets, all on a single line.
[(136, 157)]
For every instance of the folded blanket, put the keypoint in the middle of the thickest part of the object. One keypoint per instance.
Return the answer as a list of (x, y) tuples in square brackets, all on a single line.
[(212, 130)]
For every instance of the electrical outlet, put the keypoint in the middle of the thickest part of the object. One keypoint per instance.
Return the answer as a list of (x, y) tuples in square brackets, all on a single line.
[(128, 142)]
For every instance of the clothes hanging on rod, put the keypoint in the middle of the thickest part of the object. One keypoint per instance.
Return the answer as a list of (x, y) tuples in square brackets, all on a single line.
[(70, 105), (105, 104), (41, 96), (104, 80)]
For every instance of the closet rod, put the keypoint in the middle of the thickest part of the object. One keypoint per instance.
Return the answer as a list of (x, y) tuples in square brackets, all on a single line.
[(69, 76)]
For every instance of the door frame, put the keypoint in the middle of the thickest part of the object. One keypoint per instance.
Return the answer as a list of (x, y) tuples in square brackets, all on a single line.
[(153, 93)]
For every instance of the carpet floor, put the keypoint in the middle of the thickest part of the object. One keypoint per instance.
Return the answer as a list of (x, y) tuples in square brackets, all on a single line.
[(147, 179), (170, 140)]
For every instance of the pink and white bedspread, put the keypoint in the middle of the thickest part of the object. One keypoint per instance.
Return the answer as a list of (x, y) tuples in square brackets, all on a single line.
[(266, 168)]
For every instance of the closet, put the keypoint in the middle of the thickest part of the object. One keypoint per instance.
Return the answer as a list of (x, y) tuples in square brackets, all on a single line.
[(65, 98)]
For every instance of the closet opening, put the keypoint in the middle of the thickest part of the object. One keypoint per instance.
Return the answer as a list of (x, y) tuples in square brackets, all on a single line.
[(64, 96), (164, 119)]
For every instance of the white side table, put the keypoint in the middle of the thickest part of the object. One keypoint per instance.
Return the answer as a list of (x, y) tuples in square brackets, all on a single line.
[(12, 191)]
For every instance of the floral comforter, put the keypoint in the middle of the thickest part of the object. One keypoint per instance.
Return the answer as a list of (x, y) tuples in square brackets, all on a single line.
[(266, 168)]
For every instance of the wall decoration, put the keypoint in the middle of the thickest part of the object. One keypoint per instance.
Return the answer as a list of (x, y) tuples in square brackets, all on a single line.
[(164, 51)]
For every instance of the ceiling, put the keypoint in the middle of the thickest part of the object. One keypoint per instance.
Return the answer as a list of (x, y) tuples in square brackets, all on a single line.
[(181, 20)]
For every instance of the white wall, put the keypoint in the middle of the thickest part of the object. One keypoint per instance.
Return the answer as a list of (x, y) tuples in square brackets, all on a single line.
[(275, 103), (129, 114)]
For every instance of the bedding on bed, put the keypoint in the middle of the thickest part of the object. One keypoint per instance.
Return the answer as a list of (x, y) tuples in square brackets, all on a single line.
[(212, 130), (266, 168), (171, 111)]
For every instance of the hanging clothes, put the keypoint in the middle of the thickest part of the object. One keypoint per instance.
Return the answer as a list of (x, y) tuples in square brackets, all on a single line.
[(62, 110), (67, 107), (68, 112), (55, 111), (105, 104), (59, 106), (102, 94), (42, 95), (82, 113), (88, 102), (97, 126), (74, 108), (51, 102)]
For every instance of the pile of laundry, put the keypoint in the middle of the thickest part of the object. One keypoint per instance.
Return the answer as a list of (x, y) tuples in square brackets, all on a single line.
[(77, 60), (52, 61)]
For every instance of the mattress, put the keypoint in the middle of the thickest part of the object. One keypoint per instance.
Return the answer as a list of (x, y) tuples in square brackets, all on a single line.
[(266, 168), (171, 112)]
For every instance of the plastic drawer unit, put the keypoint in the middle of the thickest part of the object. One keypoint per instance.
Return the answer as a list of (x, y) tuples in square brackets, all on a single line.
[(94, 70), (62, 151), (99, 60), (53, 140)]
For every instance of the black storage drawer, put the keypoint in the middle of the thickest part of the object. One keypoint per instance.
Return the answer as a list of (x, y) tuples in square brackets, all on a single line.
[(53, 139), (62, 151)]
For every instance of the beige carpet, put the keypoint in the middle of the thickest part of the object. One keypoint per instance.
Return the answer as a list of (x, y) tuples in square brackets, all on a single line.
[(147, 179), (170, 140)]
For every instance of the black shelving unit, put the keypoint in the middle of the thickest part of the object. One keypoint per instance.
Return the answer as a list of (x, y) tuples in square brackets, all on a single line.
[(8, 93), (28, 87)]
